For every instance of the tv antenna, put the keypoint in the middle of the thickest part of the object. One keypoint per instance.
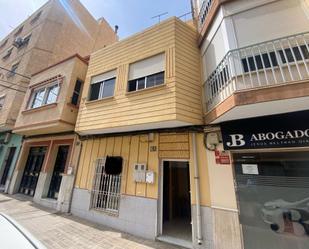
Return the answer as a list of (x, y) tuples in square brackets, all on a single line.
[(159, 16)]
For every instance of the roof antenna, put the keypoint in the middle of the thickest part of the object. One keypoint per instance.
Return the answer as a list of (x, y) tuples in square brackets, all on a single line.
[(159, 16)]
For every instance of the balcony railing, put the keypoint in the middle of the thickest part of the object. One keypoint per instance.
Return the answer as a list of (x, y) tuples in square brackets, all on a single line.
[(204, 11), (269, 63)]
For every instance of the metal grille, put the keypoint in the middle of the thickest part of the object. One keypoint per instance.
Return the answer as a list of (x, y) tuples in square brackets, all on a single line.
[(105, 194), (268, 63), (205, 8)]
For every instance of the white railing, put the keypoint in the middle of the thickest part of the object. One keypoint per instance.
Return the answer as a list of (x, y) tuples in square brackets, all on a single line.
[(273, 62), (204, 10)]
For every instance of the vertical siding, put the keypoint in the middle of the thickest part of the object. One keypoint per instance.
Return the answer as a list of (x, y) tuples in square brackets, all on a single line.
[(136, 149), (188, 75), (178, 41)]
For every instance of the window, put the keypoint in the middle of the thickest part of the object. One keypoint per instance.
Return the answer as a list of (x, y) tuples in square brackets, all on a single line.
[(44, 96), (37, 16), (298, 52), (102, 86), (146, 73), (146, 82), (256, 62), (13, 70), (2, 102), (105, 194), (76, 92), (7, 54), (19, 31)]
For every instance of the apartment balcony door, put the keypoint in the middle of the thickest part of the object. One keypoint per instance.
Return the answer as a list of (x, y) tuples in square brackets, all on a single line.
[(59, 168), (7, 165), (32, 170)]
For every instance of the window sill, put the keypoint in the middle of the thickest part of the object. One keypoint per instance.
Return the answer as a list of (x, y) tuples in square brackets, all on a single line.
[(146, 89), (89, 102), (44, 107)]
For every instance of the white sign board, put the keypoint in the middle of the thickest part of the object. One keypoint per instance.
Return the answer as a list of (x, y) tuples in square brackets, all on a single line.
[(250, 169)]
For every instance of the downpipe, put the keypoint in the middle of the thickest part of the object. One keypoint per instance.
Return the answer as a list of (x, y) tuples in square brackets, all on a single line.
[(197, 193)]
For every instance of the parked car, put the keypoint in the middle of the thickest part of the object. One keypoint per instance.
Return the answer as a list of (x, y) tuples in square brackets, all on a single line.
[(14, 236)]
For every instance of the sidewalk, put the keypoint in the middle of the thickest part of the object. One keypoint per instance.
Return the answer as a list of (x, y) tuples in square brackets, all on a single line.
[(56, 230)]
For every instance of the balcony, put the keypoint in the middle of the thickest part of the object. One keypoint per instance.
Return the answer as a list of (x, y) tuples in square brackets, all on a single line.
[(269, 64), (204, 11)]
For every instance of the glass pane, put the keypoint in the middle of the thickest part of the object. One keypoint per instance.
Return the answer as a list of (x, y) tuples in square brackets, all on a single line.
[(132, 86), (38, 98), (52, 94), (141, 83), (94, 91), (109, 86), (273, 199)]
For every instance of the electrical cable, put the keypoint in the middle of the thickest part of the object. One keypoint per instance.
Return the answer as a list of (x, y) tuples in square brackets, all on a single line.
[(8, 70), (18, 90)]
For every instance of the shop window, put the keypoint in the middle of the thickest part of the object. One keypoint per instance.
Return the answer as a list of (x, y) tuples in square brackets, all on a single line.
[(102, 86), (105, 195), (146, 73), (76, 92), (44, 96)]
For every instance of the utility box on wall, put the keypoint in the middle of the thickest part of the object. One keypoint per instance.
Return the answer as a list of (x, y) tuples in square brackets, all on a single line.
[(139, 173), (142, 175)]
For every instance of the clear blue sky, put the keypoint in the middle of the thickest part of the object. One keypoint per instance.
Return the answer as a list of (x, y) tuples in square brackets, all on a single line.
[(130, 15)]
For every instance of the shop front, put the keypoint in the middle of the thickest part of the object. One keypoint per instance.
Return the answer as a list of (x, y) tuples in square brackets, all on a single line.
[(271, 170), (45, 170), (10, 145)]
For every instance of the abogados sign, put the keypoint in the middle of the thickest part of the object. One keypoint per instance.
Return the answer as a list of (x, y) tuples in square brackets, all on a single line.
[(277, 131)]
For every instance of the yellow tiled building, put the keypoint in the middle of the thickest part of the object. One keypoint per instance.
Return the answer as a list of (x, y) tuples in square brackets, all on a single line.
[(141, 105)]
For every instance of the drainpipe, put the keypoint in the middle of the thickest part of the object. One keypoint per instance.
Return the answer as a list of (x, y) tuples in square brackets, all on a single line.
[(75, 176), (197, 193)]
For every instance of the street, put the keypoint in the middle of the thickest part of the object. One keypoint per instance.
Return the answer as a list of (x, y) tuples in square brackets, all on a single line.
[(56, 230)]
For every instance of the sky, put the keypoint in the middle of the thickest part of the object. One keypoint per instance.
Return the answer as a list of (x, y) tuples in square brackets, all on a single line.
[(130, 15)]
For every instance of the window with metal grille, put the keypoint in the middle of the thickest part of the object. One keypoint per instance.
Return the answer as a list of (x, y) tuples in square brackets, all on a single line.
[(105, 195)]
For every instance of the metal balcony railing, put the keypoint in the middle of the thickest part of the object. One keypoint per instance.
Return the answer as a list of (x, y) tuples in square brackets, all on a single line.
[(273, 62), (205, 8)]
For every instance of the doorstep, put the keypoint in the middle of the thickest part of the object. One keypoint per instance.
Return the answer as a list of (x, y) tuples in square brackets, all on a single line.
[(175, 241)]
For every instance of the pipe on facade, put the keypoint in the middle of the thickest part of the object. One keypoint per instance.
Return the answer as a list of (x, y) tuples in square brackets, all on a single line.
[(75, 175), (197, 192)]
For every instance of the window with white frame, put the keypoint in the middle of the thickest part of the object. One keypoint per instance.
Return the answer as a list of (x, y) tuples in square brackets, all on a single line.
[(44, 95), (105, 194), (1, 102), (102, 86), (146, 73)]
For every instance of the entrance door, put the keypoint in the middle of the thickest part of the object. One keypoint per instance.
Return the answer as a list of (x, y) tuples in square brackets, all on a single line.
[(176, 200), (273, 196), (32, 170), (59, 167), (7, 165)]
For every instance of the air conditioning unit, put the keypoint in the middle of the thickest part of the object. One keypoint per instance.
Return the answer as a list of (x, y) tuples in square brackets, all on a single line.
[(7, 138), (18, 42)]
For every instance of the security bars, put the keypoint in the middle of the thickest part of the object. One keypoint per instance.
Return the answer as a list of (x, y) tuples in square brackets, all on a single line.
[(105, 194), (264, 64), (205, 8)]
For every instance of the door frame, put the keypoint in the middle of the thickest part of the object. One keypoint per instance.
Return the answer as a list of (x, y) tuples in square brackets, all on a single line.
[(160, 197), (5, 163)]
